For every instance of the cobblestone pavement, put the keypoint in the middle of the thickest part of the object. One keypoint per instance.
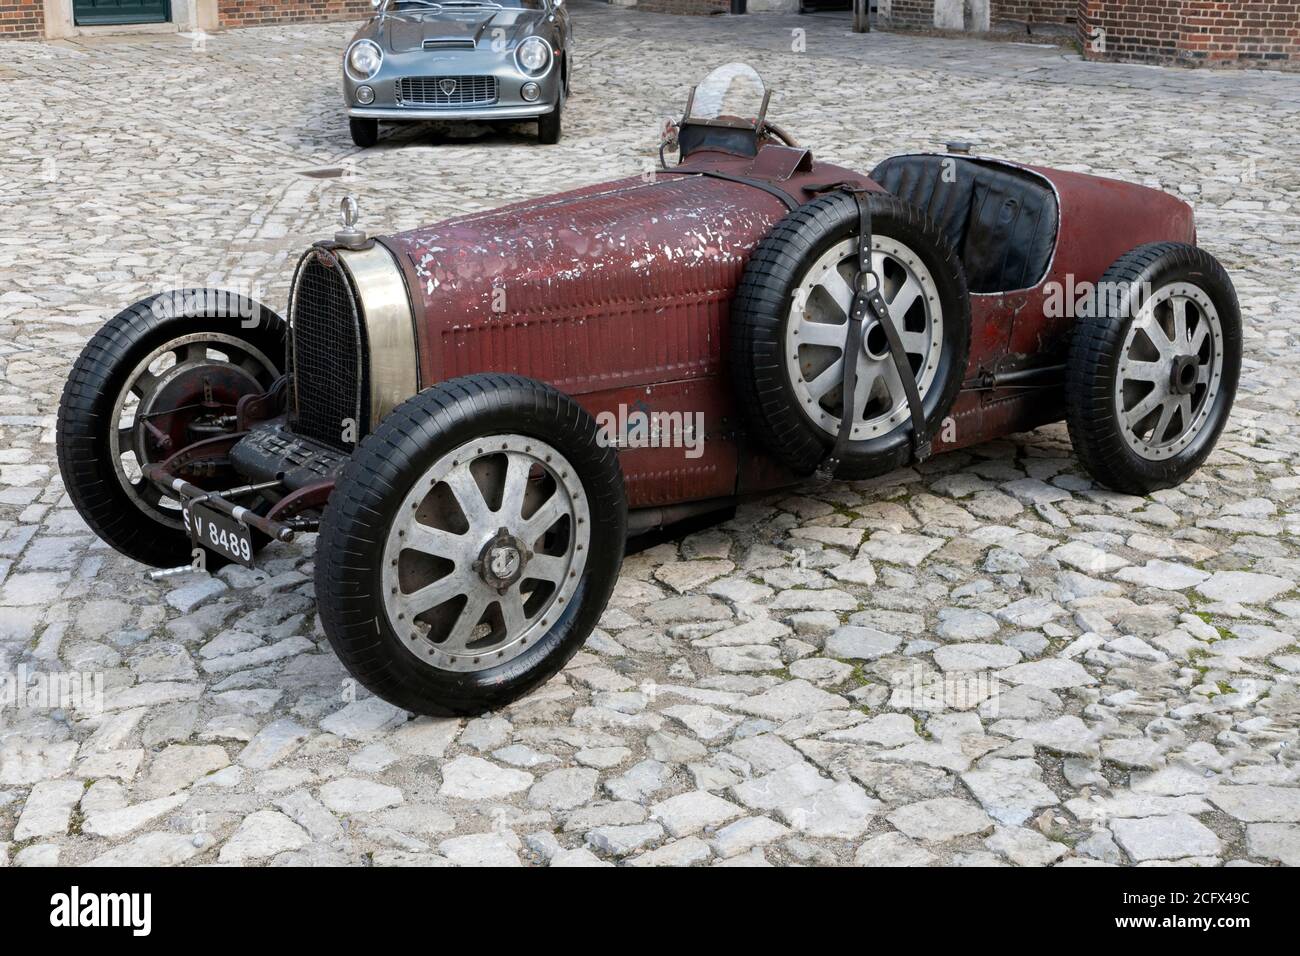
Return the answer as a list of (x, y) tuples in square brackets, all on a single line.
[(747, 698)]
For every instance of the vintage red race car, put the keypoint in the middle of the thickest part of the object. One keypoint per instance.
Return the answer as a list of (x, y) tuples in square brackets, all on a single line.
[(475, 415)]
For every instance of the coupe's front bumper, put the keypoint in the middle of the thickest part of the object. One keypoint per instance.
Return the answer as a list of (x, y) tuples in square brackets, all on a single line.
[(509, 102), (396, 113)]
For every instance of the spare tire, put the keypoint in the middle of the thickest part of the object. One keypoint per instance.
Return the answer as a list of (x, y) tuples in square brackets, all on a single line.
[(790, 322)]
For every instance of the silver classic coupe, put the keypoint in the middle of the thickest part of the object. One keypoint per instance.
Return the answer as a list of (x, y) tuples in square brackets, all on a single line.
[(458, 60)]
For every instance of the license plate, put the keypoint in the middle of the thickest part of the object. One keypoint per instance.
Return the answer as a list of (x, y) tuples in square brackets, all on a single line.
[(219, 533)]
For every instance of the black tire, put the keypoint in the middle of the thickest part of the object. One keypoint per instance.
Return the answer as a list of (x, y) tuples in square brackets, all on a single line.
[(354, 528), (761, 310), (97, 380), (549, 124), (365, 132), (1095, 352)]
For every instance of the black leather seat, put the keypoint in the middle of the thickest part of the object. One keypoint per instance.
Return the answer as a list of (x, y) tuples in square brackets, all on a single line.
[(1002, 221)]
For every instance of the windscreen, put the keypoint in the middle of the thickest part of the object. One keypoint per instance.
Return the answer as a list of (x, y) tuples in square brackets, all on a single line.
[(731, 95)]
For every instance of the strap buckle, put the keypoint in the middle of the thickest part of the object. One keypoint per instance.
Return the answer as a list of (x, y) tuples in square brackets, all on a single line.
[(867, 298), (826, 470)]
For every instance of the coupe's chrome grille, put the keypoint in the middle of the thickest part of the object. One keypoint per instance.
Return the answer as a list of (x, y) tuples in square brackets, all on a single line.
[(327, 355), (447, 43), (446, 91)]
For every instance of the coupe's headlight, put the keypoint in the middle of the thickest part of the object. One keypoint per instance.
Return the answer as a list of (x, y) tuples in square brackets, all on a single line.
[(533, 56), (364, 59)]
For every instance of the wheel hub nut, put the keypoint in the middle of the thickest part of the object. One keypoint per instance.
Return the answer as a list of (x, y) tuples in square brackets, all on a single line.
[(501, 562), (1182, 377)]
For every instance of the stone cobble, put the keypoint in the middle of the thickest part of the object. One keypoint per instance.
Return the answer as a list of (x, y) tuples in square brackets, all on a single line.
[(753, 694)]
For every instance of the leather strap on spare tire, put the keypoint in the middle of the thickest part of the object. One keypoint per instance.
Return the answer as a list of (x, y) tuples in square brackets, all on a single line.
[(867, 301)]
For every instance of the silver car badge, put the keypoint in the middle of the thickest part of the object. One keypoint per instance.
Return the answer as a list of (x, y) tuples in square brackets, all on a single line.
[(448, 86), (503, 561)]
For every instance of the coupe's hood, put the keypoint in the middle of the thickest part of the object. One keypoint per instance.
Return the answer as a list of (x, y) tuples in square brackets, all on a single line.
[(407, 31)]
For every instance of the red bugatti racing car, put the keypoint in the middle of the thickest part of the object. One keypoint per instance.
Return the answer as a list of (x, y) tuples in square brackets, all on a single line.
[(476, 414)]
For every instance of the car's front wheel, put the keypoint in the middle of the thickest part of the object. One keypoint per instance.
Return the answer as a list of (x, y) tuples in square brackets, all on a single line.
[(162, 374), (471, 545), (549, 125), (365, 132)]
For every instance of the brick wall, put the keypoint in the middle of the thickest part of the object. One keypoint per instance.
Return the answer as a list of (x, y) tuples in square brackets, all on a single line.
[(907, 13), (22, 19), (1251, 33), (1035, 11), (253, 13), (921, 13), (1134, 29)]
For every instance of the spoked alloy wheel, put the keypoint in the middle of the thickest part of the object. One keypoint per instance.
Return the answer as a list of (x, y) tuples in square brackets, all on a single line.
[(1170, 371), (817, 329), (487, 547), (1153, 370), (470, 544)]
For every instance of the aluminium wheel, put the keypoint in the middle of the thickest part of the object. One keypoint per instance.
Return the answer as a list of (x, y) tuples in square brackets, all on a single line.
[(1153, 369), (365, 132), (790, 326), (160, 375), (471, 545)]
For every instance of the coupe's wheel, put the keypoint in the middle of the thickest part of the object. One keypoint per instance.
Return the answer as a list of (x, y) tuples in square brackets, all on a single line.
[(365, 132), (548, 125), (1153, 368), (790, 325), (471, 545), (163, 374)]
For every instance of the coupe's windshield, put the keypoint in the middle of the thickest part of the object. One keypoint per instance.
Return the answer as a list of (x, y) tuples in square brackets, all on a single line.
[(462, 5)]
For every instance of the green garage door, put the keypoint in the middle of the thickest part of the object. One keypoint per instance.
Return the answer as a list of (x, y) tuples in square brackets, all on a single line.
[(92, 12)]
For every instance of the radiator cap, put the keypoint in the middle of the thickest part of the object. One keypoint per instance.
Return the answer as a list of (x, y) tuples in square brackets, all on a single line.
[(350, 237)]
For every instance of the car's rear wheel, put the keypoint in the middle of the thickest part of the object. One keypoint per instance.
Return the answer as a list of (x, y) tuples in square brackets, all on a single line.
[(160, 375), (365, 132), (471, 545), (549, 125), (790, 326), (1153, 368)]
